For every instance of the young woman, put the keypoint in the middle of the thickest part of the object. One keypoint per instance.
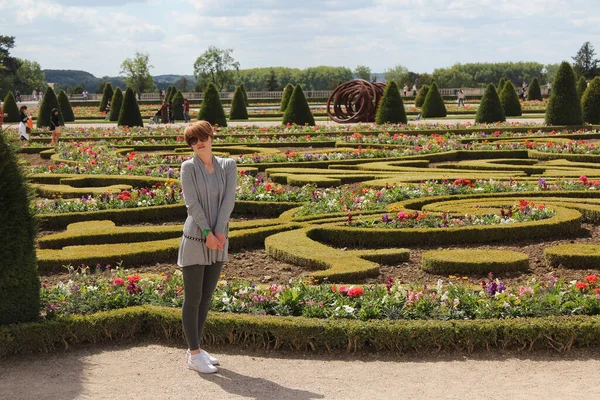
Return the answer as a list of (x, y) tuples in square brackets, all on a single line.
[(23, 118), (209, 185), (55, 126)]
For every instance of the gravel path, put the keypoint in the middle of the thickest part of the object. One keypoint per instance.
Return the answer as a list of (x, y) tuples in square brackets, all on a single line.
[(141, 371)]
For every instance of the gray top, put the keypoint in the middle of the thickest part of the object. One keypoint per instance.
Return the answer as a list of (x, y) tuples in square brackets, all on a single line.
[(209, 199)]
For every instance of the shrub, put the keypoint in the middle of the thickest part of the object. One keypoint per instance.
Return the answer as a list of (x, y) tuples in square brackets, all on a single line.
[(468, 261), (535, 92), (65, 107), (211, 109), (19, 278), (420, 99), (48, 103), (238, 105), (106, 96), (591, 102), (10, 107), (130, 111), (245, 94), (287, 95), (564, 107), (490, 109), (433, 107), (501, 84), (115, 105), (576, 256), (178, 105), (581, 86), (297, 111), (391, 108), (510, 100)]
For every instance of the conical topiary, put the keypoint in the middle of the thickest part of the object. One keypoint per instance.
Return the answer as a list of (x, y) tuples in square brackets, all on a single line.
[(490, 109), (115, 105), (391, 108), (591, 102), (581, 86), (535, 92), (510, 100), (420, 99), (106, 96), (178, 105), (10, 107), (130, 111), (65, 107), (211, 109), (170, 93), (564, 107), (287, 95), (297, 110), (245, 94), (433, 106), (501, 84), (238, 105), (48, 103), (19, 277)]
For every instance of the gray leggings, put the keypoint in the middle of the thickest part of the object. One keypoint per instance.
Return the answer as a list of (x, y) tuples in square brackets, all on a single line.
[(199, 283)]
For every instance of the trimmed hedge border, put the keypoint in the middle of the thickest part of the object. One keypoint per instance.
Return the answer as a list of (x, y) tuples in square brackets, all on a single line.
[(469, 261), (575, 256)]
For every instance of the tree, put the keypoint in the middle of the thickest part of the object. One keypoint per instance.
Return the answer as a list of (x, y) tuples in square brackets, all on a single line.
[(510, 100), (130, 111), (65, 107), (397, 74), (297, 111), (501, 85), (581, 86), (490, 109), (535, 92), (564, 107), (10, 107), (287, 95), (433, 106), (19, 277), (170, 93), (115, 105), (8, 64), (420, 99), (137, 73), (29, 76), (182, 84), (106, 96), (585, 62), (211, 109), (591, 102), (391, 108), (178, 105), (362, 72), (48, 103), (272, 84), (245, 94), (238, 106), (100, 89), (217, 66)]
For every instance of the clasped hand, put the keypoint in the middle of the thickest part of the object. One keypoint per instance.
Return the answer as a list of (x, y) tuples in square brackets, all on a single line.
[(215, 241)]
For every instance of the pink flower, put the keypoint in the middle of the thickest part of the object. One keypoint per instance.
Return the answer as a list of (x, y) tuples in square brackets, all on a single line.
[(119, 282)]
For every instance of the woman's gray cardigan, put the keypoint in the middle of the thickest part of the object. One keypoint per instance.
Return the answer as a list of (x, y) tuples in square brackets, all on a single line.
[(195, 193)]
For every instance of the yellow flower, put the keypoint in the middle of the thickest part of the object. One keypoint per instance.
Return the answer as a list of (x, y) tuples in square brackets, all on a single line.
[(465, 278)]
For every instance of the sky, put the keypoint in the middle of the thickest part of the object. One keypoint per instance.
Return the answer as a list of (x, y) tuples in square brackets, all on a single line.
[(97, 35)]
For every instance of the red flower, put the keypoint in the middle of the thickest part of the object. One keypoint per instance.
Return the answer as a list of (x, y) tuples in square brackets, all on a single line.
[(268, 187), (591, 278), (581, 285), (119, 282), (133, 278), (333, 288), (355, 292), (583, 179)]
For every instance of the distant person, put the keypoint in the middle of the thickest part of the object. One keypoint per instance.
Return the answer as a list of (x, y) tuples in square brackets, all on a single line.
[(164, 114), (414, 89), (171, 112), (186, 110), (549, 88), (405, 90), (40, 96), (18, 96), (2, 115), (461, 97), (524, 94), (55, 126), (85, 95), (34, 95), (107, 110), (23, 119), (524, 86)]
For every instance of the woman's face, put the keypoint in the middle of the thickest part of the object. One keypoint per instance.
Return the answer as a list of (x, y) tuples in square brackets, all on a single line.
[(203, 148)]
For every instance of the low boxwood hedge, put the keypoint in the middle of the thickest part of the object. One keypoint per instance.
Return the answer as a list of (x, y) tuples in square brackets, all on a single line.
[(576, 256), (469, 261)]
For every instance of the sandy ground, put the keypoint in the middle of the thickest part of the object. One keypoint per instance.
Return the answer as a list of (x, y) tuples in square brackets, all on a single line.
[(149, 371)]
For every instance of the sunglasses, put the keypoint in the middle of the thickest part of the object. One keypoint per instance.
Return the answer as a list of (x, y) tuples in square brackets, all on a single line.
[(194, 141)]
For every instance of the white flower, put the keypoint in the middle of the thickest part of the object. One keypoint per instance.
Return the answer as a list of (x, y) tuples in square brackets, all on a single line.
[(456, 303), (348, 309), (225, 300), (439, 285)]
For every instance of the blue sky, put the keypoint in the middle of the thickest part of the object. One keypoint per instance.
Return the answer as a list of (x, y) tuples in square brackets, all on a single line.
[(96, 36)]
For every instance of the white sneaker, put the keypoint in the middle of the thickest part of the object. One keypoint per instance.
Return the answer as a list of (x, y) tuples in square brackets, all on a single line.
[(212, 360), (200, 363)]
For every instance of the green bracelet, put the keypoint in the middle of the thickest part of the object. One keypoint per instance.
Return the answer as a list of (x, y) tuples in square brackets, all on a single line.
[(206, 232)]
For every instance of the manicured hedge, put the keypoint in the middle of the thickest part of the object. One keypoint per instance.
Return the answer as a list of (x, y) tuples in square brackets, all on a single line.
[(564, 107), (576, 256), (469, 261)]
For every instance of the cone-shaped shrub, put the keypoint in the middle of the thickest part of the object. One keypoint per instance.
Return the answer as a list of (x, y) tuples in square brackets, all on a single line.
[(501, 84), (581, 86), (433, 106), (238, 105), (106, 96), (510, 100), (115, 105), (19, 277), (421, 96), (245, 94), (591, 102), (65, 107), (564, 107), (287, 95), (535, 92), (10, 107), (130, 111), (490, 109), (211, 109), (178, 105), (48, 103), (170, 93), (391, 108), (297, 110)]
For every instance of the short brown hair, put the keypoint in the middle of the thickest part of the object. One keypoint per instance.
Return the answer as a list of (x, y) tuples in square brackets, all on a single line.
[(199, 129)]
